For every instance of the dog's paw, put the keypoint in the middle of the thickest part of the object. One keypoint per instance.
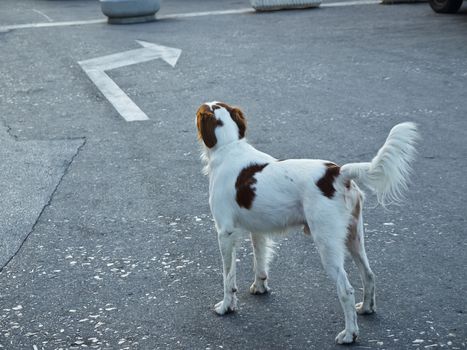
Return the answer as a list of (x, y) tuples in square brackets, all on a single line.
[(365, 310), (259, 288), (346, 337), (223, 308)]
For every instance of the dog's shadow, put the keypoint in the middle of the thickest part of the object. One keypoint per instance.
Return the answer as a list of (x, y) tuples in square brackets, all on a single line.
[(269, 312)]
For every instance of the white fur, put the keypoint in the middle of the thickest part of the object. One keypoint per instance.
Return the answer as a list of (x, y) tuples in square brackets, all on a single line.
[(388, 172), (287, 196)]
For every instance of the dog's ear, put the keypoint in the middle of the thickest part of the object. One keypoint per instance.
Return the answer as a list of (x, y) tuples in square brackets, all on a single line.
[(237, 116), (206, 123)]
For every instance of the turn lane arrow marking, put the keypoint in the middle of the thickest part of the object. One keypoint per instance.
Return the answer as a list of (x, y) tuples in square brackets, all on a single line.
[(96, 69)]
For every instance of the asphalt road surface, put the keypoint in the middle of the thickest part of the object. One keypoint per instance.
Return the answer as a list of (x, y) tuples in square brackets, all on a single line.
[(106, 239)]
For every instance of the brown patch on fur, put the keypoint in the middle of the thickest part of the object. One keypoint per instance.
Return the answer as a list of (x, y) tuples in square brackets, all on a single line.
[(237, 116), (244, 185), (347, 184), (207, 123), (352, 229), (306, 229), (356, 210), (352, 236), (326, 183)]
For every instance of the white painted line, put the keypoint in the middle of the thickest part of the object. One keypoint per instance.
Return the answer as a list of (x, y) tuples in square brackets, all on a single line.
[(351, 3), (120, 59), (96, 21), (51, 24), (172, 16), (127, 58), (43, 15), (119, 100), (251, 10), (168, 54), (207, 13), (95, 69)]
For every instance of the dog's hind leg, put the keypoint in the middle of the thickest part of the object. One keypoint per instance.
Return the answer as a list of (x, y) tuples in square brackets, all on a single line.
[(329, 236), (227, 241), (356, 246), (262, 247)]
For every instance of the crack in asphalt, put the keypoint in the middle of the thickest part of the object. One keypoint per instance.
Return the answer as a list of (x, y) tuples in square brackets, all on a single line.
[(9, 130), (49, 201)]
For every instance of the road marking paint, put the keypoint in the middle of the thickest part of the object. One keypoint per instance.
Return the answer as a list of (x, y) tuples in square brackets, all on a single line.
[(51, 24), (43, 15), (207, 13), (95, 69), (172, 16), (351, 3), (119, 100)]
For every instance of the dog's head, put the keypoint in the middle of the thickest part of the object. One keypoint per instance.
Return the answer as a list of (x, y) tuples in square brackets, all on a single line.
[(219, 124)]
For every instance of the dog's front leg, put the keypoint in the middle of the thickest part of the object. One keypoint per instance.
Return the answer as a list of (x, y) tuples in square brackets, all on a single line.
[(227, 241)]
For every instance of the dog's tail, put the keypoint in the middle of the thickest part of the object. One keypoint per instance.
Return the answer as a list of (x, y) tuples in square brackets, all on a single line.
[(387, 174)]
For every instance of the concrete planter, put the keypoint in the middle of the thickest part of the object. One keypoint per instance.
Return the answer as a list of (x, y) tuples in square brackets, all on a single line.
[(130, 11)]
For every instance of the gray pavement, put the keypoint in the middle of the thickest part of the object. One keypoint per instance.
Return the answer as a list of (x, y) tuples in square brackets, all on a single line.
[(30, 171), (121, 252)]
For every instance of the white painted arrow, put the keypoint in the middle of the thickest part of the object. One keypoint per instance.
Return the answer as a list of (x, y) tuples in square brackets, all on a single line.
[(95, 68)]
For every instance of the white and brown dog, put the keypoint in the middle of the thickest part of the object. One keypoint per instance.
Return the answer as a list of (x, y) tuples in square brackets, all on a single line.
[(252, 192)]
